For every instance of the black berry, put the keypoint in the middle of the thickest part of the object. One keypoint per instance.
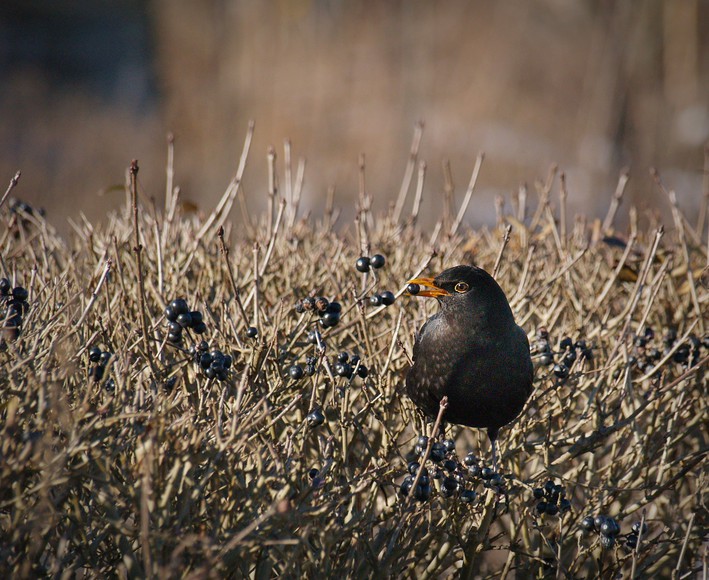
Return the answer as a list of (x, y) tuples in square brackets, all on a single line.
[(184, 320), (315, 418), (362, 264), (438, 452), (377, 261), (388, 298), (587, 524), (179, 306), (561, 371), (343, 370), (330, 319), (636, 528), (20, 293)]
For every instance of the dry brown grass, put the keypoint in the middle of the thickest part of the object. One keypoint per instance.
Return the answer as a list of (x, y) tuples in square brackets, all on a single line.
[(211, 478)]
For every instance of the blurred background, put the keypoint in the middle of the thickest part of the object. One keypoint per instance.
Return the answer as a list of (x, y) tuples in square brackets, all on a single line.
[(591, 85)]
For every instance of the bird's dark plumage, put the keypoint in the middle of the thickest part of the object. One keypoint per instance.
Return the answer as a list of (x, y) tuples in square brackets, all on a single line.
[(471, 351)]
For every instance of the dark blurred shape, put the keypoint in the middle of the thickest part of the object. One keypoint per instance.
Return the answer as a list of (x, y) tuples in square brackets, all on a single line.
[(592, 86), (78, 100), (103, 47), (615, 242)]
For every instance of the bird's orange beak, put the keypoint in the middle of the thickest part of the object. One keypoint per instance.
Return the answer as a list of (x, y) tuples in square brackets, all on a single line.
[(432, 291)]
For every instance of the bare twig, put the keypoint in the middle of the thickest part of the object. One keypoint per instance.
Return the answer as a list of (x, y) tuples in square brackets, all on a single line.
[(468, 194), (10, 187)]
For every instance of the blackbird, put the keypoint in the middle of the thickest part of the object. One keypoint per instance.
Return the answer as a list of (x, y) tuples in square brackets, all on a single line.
[(471, 351)]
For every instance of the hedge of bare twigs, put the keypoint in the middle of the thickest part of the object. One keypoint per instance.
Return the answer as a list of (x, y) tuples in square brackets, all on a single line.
[(150, 468)]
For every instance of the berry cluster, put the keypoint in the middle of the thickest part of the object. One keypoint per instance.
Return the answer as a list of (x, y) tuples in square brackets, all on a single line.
[(606, 526), (385, 298), (214, 364), (15, 303), (179, 318), (346, 365), (646, 354), (568, 351), (456, 479), (311, 365), (329, 312), (631, 539), (21, 207), (99, 359), (364, 263), (551, 499), (343, 365), (491, 479)]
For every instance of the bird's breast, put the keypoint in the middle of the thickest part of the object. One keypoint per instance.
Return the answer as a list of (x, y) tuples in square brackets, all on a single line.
[(485, 375)]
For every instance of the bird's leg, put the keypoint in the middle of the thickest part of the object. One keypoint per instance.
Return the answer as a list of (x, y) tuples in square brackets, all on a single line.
[(492, 435), (442, 431), (493, 442)]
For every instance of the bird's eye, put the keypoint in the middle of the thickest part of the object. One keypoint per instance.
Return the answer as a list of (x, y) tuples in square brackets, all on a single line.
[(462, 287)]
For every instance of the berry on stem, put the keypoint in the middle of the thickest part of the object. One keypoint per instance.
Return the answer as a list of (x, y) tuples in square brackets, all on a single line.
[(388, 298), (362, 264), (377, 261), (179, 306), (315, 418)]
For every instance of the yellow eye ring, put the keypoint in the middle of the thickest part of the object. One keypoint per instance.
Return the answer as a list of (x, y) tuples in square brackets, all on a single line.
[(462, 287)]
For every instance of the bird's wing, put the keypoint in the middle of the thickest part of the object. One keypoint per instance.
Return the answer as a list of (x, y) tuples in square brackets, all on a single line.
[(524, 356), (417, 341)]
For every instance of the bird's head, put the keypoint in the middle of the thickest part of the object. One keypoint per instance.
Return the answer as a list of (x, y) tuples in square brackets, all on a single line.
[(465, 288)]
